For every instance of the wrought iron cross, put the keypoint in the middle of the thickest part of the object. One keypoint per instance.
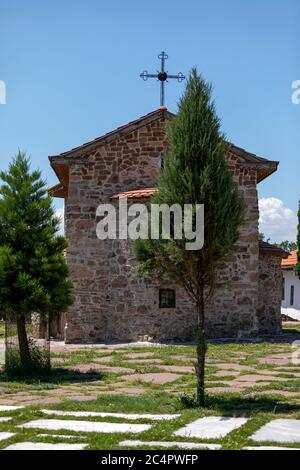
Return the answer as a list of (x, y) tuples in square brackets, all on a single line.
[(162, 76)]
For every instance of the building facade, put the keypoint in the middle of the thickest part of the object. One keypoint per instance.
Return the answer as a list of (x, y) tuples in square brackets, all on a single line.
[(291, 289), (111, 303)]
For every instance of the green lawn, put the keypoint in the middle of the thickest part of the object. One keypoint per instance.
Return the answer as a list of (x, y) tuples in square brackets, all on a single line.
[(259, 411), (241, 380)]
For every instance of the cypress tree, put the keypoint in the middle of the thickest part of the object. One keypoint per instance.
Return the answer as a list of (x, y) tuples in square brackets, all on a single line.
[(196, 172)]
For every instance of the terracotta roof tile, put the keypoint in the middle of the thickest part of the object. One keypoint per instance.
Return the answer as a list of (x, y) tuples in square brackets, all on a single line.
[(291, 260), (136, 193)]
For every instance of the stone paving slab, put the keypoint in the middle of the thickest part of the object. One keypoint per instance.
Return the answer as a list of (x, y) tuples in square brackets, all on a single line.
[(100, 414), (85, 426), (9, 408), (270, 448), (276, 359), (179, 369), (180, 445), (130, 391), (6, 435), (236, 367), (279, 430), (144, 361), (226, 373), (254, 378), (105, 359), (157, 378), (44, 446), (139, 355), (183, 358), (86, 368), (213, 427), (2, 420)]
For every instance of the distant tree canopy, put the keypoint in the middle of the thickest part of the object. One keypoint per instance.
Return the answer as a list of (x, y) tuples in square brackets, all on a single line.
[(285, 245)]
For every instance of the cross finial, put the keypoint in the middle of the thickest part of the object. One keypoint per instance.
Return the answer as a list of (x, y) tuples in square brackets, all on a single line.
[(162, 76)]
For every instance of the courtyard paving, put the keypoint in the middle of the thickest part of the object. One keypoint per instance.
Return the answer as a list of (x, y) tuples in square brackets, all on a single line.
[(137, 395), (204, 433)]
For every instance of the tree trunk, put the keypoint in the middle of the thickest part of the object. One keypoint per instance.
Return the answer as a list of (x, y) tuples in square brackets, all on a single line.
[(25, 357), (201, 348)]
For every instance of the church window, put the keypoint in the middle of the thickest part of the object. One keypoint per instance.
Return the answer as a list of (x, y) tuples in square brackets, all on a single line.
[(167, 298)]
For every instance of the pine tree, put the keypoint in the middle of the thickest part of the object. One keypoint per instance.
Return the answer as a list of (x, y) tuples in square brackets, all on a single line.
[(196, 172), (33, 270)]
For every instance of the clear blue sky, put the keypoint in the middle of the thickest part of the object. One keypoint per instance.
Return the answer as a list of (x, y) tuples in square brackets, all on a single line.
[(72, 73)]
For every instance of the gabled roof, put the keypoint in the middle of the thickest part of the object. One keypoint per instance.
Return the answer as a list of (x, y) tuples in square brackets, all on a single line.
[(131, 126), (265, 247), (291, 261), (61, 162)]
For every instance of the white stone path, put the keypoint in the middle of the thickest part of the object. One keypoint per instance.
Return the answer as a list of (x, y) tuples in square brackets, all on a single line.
[(10, 408), (213, 427), (61, 436), (6, 435), (100, 414), (270, 448), (44, 446), (279, 430), (85, 426), (168, 444)]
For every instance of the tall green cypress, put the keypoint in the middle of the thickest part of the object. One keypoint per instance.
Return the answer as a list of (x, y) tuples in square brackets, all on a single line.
[(33, 270), (196, 172)]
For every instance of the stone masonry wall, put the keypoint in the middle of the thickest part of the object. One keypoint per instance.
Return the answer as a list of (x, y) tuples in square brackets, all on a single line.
[(269, 294), (110, 302)]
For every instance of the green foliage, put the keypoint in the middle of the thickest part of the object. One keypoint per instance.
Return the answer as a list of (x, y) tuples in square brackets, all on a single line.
[(40, 363), (286, 245), (195, 172), (33, 271)]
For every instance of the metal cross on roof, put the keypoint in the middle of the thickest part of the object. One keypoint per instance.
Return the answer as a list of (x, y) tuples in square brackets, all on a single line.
[(162, 76)]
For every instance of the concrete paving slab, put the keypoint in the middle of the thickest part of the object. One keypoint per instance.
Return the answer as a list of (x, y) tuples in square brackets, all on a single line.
[(85, 426), (100, 414), (213, 427), (9, 408), (44, 446), (270, 448), (180, 445), (279, 430), (6, 435)]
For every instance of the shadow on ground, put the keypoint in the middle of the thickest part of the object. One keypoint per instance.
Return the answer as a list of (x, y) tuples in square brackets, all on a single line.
[(57, 376), (226, 404)]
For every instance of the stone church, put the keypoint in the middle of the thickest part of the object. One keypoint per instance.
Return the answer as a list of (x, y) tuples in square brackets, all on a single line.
[(113, 304)]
